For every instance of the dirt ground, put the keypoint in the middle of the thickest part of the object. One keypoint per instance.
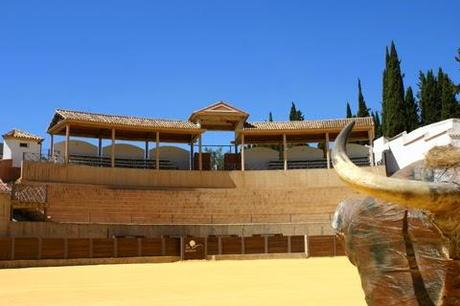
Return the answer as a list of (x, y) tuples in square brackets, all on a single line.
[(314, 281)]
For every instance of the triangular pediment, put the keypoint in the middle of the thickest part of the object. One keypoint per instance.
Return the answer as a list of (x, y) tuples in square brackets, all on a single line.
[(220, 106), (219, 115)]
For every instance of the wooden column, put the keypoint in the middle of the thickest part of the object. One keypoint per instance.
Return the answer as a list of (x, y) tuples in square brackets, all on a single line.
[(328, 153), (146, 153), (200, 153), (191, 159), (67, 136), (52, 146), (99, 147), (157, 152), (113, 148), (242, 152), (371, 148), (192, 155), (285, 162)]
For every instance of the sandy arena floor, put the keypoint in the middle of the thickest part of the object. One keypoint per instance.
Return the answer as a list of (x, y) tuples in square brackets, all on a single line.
[(314, 281)]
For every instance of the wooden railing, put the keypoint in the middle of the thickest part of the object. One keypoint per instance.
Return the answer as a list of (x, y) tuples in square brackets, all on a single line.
[(312, 164), (98, 161), (71, 248)]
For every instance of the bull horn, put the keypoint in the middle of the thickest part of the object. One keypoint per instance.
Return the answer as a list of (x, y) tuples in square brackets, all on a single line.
[(435, 197)]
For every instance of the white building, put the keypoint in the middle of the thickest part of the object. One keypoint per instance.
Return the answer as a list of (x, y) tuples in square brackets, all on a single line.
[(407, 148), (17, 142)]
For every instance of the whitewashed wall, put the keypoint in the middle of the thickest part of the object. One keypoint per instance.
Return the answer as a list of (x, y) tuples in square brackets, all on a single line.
[(410, 147), (257, 158), (13, 150), (178, 156), (124, 150), (76, 147), (304, 153)]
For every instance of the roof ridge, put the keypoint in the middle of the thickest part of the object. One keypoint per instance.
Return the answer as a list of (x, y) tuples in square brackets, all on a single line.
[(120, 116), (310, 120), (25, 134)]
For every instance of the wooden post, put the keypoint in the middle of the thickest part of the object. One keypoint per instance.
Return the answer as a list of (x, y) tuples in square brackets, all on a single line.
[(191, 159), (99, 147), (113, 147), (328, 154), (371, 148), (200, 154), (67, 136), (146, 153), (52, 146), (285, 162), (242, 152), (157, 152)]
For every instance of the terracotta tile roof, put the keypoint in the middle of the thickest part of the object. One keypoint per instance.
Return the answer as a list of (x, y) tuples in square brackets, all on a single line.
[(308, 124), (16, 133), (117, 120)]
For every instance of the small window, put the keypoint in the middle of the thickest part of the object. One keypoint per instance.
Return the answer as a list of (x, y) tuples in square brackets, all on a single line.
[(23, 145)]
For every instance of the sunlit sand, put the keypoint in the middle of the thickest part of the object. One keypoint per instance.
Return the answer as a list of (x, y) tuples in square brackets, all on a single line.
[(314, 281)]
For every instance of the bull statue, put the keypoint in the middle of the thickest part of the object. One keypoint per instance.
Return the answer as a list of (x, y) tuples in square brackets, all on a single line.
[(404, 238)]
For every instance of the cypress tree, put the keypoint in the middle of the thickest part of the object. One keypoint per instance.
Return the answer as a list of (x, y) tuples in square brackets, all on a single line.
[(294, 114), (457, 58), (363, 111), (377, 124), (411, 111), (349, 113), (393, 95), (429, 98), (446, 90), (270, 117)]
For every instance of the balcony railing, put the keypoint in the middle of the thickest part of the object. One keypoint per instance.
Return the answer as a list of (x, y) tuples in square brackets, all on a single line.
[(102, 161)]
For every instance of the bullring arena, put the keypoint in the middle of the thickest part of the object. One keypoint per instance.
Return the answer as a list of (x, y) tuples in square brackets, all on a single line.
[(316, 281), (103, 219)]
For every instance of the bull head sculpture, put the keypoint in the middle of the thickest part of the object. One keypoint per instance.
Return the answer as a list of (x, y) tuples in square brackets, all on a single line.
[(404, 238)]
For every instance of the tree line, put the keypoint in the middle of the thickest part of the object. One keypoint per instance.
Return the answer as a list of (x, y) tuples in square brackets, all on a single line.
[(402, 110)]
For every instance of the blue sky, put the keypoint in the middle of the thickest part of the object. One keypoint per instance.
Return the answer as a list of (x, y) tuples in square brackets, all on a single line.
[(164, 59)]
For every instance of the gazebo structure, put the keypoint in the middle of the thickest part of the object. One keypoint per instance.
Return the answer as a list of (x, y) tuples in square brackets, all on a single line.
[(219, 116)]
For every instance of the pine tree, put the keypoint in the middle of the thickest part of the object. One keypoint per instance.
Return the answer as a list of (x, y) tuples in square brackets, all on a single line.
[(294, 114), (363, 111), (446, 91), (429, 98), (411, 111), (393, 95), (270, 117), (377, 124), (349, 113)]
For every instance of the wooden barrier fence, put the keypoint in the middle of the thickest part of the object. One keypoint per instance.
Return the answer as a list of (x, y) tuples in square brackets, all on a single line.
[(185, 247)]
